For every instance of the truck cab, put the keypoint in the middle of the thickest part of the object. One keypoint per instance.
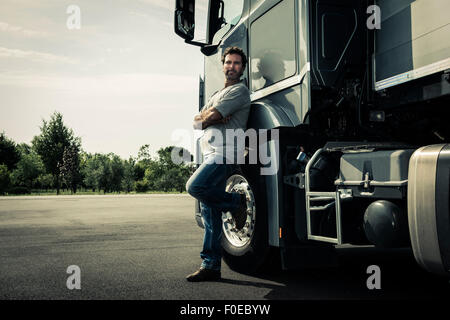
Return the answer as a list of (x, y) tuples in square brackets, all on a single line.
[(353, 96)]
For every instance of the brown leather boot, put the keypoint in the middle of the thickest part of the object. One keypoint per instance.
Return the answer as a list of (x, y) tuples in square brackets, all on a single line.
[(203, 274)]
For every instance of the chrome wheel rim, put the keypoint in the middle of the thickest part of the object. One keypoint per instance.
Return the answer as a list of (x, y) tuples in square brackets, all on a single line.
[(241, 237)]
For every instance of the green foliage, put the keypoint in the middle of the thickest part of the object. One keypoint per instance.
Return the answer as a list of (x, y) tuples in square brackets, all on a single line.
[(28, 169), (144, 153), (19, 190), (70, 166), (4, 179), (24, 148), (141, 186), (128, 174), (165, 175), (117, 172), (111, 174), (44, 181), (153, 175), (56, 159), (139, 170), (9, 154), (96, 172), (55, 137), (91, 171), (107, 173), (105, 176)]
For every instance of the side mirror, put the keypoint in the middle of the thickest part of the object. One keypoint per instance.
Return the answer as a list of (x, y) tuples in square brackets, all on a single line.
[(185, 15), (185, 19)]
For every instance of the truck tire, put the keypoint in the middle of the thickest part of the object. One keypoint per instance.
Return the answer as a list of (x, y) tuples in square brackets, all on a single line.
[(247, 250)]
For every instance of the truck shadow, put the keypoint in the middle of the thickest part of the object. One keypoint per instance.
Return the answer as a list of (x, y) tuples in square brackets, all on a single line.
[(400, 278)]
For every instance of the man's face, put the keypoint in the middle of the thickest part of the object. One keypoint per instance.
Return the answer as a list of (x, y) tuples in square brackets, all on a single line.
[(232, 67)]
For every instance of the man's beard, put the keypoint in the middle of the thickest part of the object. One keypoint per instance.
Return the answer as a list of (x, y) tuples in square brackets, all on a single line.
[(233, 76)]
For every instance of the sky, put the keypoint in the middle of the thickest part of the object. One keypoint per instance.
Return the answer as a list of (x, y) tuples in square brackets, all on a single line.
[(122, 80)]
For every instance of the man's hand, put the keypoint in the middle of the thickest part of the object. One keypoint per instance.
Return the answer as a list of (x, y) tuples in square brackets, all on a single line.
[(226, 119)]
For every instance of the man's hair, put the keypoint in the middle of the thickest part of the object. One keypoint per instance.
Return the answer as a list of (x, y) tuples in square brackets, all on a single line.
[(235, 50)]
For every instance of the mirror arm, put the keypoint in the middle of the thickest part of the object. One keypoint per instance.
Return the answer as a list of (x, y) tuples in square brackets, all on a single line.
[(209, 49), (206, 49)]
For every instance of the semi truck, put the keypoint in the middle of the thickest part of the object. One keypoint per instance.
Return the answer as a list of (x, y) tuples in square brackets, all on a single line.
[(358, 92)]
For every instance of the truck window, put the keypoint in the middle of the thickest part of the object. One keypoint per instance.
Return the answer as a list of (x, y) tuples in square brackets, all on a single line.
[(232, 12), (272, 46)]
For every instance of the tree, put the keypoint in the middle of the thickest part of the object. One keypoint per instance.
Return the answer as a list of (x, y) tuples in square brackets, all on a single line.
[(24, 148), (165, 175), (152, 175), (141, 185), (144, 162), (45, 181), (128, 174), (144, 153), (70, 166), (117, 172), (82, 170), (28, 170), (139, 171), (4, 178), (174, 179), (55, 137), (9, 154), (100, 173), (92, 171), (105, 173)]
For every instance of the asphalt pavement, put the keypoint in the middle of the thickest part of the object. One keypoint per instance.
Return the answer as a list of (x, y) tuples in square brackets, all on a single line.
[(143, 246)]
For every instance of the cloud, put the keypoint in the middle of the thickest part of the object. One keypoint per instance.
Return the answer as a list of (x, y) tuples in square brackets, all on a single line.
[(6, 27), (170, 4), (119, 50), (34, 56), (141, 14), (162, 21), (165, 4), (116, 85)]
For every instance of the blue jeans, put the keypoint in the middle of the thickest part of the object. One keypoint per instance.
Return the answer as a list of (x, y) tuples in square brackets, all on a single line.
[(207, 185)]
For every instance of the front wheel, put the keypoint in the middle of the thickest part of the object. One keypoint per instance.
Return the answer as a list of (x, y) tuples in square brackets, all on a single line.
[(247, 250)]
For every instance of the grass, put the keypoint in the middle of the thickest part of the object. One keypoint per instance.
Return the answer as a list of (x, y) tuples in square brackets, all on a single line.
[(87, 192)]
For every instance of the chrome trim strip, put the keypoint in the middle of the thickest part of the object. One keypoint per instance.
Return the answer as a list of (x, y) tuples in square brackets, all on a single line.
[(373, 183), (306, 68), (413, 74)]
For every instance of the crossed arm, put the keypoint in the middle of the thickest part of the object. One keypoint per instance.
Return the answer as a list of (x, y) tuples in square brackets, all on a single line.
[(209, 117)]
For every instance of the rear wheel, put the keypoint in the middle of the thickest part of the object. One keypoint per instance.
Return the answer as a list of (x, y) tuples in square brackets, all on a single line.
[(247, 250)]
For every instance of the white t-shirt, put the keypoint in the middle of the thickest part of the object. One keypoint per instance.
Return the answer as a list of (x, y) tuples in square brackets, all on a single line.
[(235, 101)]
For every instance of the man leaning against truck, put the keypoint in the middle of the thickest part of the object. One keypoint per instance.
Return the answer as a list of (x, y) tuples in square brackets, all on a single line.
[(226, 109)]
